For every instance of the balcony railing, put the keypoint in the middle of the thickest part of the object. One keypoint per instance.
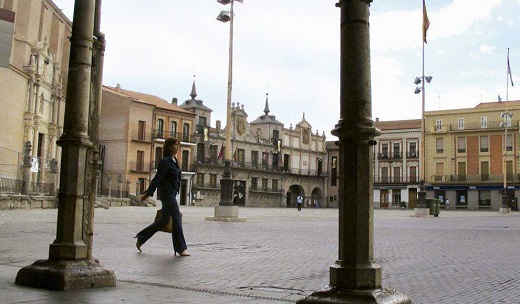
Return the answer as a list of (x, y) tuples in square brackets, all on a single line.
[(396, 179), (258, 166), (492, 178), (139, 166), (395, 155)]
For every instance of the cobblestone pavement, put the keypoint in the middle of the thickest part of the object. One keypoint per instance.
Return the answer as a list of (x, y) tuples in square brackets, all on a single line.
[(278, 255)]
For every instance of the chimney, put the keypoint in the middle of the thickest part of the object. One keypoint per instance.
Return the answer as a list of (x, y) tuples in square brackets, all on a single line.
[(118, 87), (377, 119), (499, 98), (174, 101)]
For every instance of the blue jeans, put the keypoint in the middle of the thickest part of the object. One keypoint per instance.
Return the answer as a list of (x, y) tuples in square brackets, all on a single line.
[(170, 208)]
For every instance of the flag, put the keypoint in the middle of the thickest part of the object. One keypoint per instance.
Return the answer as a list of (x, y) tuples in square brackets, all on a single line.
[(426, 22), (235, 154), (509, 69), (221, 153)]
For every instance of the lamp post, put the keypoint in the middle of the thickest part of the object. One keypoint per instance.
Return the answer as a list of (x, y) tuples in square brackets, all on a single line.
[(421, 209), (507, 122), (225, 211)]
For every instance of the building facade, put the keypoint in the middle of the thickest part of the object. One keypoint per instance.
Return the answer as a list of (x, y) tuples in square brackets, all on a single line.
[(396, 163), (472, 154), (34, 56), (133, 128), (271, 164)]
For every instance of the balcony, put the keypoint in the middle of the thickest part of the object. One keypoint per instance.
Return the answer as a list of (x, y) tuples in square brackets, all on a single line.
[(141, 136), (486, 178), (257, 166), (396, 180), (141, 167), (266, 189), (389, 156), (412, 155)]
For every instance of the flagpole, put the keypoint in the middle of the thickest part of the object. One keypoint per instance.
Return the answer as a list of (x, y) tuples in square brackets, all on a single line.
[(507, 119)]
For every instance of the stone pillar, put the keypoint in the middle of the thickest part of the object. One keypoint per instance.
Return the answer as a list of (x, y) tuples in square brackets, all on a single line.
[(355, 277), (68, 267), (26, 181)]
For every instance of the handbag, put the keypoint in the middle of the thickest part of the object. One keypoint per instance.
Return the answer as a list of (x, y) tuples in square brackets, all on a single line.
[(167, 227)]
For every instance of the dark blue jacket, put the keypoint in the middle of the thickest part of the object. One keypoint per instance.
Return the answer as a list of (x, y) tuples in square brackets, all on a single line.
[(167, 179)]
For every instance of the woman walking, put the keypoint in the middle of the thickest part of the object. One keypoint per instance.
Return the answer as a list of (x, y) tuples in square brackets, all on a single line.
[(167, 181)]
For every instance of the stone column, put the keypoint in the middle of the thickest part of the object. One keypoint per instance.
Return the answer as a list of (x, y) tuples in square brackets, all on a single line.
[(68, 267), (355, 277), (26, 181)]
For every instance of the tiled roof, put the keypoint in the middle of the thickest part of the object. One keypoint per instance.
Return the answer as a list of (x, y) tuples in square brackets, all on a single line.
[(498, 104), (149, 99), (398, 124)]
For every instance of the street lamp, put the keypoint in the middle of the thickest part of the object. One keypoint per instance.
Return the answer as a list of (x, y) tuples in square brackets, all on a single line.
[(225, 211), (422, 192)]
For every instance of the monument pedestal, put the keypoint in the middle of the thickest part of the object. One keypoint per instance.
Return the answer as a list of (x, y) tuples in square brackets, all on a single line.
[(505, 210), (65, 275), (421, 212), (332, 295), (226, 214)]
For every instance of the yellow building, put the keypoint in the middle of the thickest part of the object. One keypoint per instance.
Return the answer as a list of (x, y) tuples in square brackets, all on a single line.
[(465, 160), (34, 56)]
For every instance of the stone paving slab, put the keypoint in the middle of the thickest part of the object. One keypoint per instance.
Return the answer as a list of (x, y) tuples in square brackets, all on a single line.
[(277, 256)]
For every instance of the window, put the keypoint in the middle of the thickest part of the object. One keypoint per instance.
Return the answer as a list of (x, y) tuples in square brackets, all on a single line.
[(384, 150), (438, 125), (185, 156), (160, 126), (202, 124), (265, 160), (412, 149), (213, 180), (413, 174), (483, 122), (142, 185), (484, 171), (254, 183), (397, 150), (397, 175), (254, 159), (200, 179), (509, 142), (276, 134), (384, 174), (139, 164), (460, 124), (186, 132), (240, 157), (484, 143), (141, 130), (214, 153), (461, 144), (173, 129), (275, 185), (439, 145), (439, 172), (461, 171), (484, 198), (264, 184)]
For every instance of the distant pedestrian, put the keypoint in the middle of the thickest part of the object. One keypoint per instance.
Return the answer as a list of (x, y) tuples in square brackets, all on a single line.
[(447, 204), (299, 202), (316, 204)]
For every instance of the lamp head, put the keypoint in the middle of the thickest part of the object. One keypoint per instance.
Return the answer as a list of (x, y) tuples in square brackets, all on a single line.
[(417, 90), (417, 80), (428, 78)]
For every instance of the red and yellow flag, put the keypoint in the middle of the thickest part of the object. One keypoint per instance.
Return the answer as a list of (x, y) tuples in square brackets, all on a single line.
[(426, 22)]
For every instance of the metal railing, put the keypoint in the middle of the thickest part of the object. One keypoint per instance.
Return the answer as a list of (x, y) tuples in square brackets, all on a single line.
[(258, 166), (396, 179), (14, 186), (494, 178)]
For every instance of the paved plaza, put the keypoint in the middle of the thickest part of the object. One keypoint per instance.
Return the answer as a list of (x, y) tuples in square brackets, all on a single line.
[(277, 256)]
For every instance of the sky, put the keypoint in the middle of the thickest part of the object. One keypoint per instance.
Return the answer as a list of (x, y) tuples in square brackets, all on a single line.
[(290, 49)]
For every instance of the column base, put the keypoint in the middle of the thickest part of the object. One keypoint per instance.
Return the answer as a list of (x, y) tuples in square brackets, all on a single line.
[(421, 212), (505, 210), (226, 214), (65, 275), (332, 295)]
